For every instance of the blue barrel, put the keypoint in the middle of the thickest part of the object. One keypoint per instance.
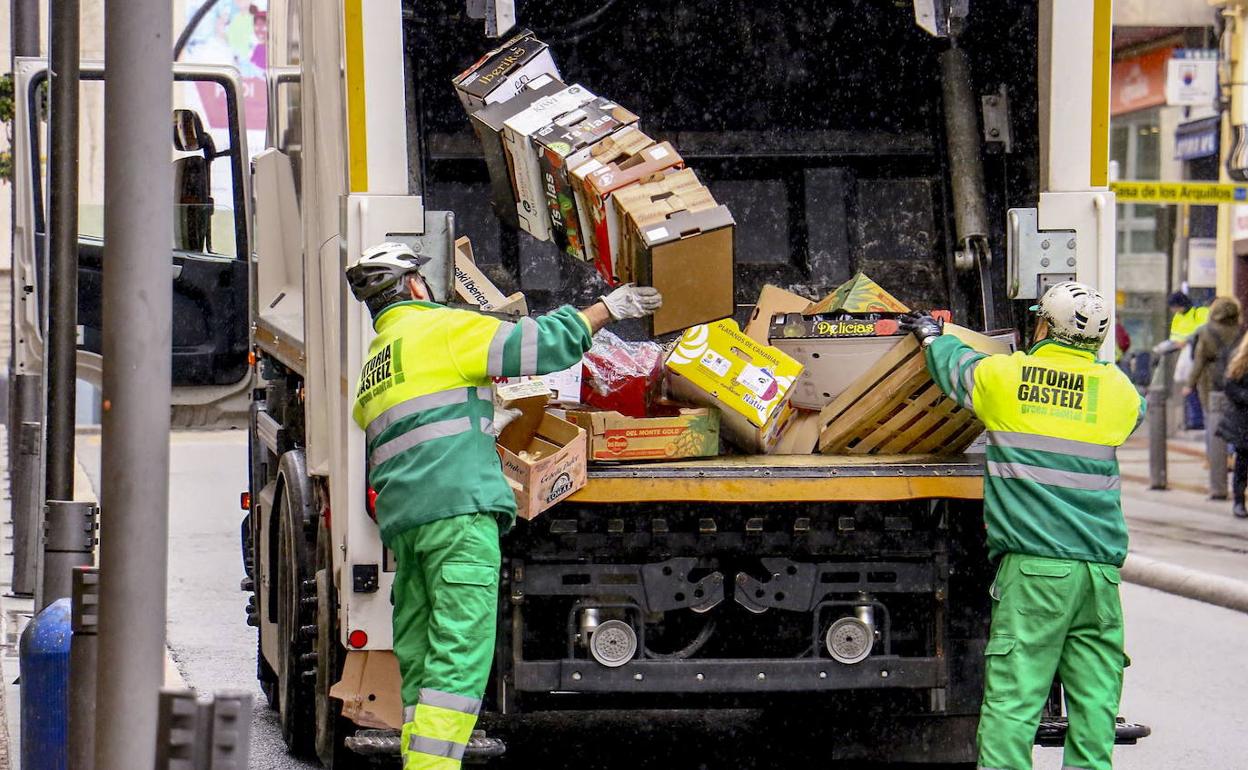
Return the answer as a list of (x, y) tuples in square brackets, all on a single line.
[(44, 660)]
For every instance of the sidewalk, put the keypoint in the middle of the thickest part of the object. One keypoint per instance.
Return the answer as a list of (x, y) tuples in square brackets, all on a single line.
[(1181, 525)]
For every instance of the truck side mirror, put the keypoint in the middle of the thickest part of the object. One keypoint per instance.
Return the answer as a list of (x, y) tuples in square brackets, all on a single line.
[(188, 131)]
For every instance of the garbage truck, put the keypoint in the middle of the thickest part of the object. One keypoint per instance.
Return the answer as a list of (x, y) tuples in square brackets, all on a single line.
[(953, 150)]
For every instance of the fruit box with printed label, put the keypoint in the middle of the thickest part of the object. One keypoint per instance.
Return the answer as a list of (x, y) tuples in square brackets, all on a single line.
[(686, 433), (488, 125), (526, 172), (564, 144), (501, 73), (751, 384), (548, 466)]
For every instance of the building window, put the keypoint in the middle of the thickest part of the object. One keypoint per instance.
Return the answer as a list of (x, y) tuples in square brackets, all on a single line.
[(1135, 145)]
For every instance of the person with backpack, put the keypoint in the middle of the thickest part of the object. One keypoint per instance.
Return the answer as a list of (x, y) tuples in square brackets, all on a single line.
[(1214, 345)]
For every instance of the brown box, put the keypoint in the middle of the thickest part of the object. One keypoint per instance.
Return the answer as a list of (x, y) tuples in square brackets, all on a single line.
[(473, 286), (642, 205), (488, 125), (689, 259), (602, 182), (554, 468), (503, 72), (564, 144), (772, 300), (690, 432), (617, 148)]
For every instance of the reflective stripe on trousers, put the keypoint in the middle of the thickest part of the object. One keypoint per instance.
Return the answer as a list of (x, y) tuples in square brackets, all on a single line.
[(438, 729)]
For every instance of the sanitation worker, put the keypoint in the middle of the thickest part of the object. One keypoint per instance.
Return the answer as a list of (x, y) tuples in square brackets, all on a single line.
[(424, 401), (1054, 517)]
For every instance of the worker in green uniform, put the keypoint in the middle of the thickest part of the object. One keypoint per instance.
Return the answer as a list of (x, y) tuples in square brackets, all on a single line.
[(424, 401), (1052, 505)]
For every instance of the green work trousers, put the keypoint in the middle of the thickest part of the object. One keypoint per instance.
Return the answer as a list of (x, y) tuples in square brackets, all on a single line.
[(445, 608), (1052, 616)]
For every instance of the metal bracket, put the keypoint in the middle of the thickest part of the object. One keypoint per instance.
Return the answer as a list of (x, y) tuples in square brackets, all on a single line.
[(790, 586), (499, 15), (1037, 259), (438, 242), (668, 587), (941, 18), (996, 110)]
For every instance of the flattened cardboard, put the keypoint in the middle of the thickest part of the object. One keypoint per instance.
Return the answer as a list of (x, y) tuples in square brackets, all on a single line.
[(503, 72), (488, 125), (553, 477), (617, 148), (526, 172), (369, 689), (751, 384), (613, 436), (772, 300), (602, 182), (801, 437), (689, 259), (474, 287), (564, 144), (859, 294)]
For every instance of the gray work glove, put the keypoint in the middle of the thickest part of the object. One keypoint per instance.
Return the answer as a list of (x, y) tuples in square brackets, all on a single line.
[(503, 418), (924, 328), (631, 301)]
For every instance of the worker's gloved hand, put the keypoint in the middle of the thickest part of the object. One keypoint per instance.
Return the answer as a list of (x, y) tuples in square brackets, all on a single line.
[(922, 326), (631, 301), (1164, 347), (503, 418)]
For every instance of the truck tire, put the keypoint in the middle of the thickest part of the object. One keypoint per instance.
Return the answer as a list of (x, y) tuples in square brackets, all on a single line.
[(331, 728), (296, 605)]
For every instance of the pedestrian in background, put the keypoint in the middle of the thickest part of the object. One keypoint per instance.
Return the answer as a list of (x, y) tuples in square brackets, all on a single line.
[(1184, 324), (1234, 424), (1214, 344)]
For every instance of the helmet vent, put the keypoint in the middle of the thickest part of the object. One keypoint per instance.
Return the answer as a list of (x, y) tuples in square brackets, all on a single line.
[(1081, 320)]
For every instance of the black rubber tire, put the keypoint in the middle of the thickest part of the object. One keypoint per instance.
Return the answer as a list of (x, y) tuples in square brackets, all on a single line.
[(331, 728), (296, 688)]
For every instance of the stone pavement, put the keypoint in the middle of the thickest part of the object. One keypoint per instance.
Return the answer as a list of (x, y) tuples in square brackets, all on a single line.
[(1181, 525)]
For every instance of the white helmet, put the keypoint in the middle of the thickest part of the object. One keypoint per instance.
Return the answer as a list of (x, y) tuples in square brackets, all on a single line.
[(376, 279), (1078, 315)]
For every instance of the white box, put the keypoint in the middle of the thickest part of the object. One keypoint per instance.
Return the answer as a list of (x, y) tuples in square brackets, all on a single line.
[(526, 171)]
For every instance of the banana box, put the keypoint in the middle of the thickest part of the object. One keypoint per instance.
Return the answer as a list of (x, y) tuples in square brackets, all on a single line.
[(751, 384)]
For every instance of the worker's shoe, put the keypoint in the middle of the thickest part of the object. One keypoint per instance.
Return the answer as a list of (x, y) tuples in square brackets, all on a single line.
[(1240, 511)]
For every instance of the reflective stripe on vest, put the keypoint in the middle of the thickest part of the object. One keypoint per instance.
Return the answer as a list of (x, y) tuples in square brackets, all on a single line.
[(1091, 482), (1065, 446), (418, 436), (420, 404)]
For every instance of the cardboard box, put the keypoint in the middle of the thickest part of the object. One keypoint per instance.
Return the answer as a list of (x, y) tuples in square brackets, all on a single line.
[(488, 125), (831, 364), (553, 466), (617, 148), (601, 182), (831, 325), (369, 689), (772, 300), (564, 385), (801, 437), (564, 144), (503, 72), (649, 203), (689, 259), (473, 287), (526, 172), (613, 436), (751, 384)]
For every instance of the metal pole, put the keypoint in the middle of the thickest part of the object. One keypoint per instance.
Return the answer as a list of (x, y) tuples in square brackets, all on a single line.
[(68, 542), (24, 482), (25, 23), (84, 620), (138, 298), (62, 337), (1157, 395)]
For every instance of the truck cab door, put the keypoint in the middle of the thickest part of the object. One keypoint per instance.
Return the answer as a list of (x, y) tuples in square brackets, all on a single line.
[(209, 251)]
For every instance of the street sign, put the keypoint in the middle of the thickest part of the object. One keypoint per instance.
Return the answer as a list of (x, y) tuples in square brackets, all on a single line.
[(1196, 193), (1192, 77)]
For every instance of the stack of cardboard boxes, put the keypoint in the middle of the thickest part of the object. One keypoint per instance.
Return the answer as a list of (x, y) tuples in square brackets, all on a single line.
[(575, 168), (561, 159)]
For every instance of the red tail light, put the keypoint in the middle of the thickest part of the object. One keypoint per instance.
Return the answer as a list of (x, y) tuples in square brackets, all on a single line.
[(357, 639)]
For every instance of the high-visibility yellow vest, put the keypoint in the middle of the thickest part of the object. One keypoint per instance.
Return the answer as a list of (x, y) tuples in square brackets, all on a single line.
[(423, 398), (1185, 324)]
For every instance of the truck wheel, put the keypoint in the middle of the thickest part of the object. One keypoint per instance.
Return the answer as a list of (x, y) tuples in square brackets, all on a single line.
[(296, 607), (331, 728)]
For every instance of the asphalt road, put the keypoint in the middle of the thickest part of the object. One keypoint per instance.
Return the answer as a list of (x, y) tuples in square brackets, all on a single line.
[(1188, 678)]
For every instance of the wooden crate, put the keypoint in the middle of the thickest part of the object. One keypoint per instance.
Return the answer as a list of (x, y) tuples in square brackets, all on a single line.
[(896, 408)]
